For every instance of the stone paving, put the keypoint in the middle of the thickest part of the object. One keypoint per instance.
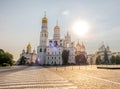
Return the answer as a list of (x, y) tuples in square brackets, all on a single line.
[(34, 78), (90, 78)]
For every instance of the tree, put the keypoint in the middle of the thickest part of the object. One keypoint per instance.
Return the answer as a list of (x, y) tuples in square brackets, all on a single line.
[(112, 59), (117, 59), (6, 58), (22, 61), (1, 51), (106, 61), (65, 56), (98, 60)]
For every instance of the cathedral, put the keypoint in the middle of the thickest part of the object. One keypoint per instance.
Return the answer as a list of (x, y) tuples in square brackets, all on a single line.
[(27, 57), (49, 51)]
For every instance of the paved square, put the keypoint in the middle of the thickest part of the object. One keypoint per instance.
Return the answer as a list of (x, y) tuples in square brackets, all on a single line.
[(36, 77)]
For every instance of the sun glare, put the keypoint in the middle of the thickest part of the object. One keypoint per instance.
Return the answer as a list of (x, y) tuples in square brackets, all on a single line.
[(80, 28)]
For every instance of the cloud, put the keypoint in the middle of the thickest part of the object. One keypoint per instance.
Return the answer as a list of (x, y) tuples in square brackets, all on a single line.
[(65, 12)]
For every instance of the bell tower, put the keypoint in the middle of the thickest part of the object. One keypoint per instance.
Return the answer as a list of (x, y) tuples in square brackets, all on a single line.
[(44, 31), (41, 50), (56, 35)]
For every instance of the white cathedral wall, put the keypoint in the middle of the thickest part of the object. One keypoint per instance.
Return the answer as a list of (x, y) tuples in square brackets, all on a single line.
[(71, 55), (54, 55), (54, 59), (41, 55)]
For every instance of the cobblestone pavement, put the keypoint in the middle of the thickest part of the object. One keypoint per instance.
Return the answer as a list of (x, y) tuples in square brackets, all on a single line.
[(90, 78), (34, 78)]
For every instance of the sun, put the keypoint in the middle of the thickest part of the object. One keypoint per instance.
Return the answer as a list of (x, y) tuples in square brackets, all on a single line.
[(80, 28)]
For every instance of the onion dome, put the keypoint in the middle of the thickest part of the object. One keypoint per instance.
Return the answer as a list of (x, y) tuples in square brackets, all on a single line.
[(78, 45), (56, 27), (29, 46), (44, 19), (82, 46)]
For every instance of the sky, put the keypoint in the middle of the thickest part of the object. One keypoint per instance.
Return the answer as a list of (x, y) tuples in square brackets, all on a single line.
[(20, 22)]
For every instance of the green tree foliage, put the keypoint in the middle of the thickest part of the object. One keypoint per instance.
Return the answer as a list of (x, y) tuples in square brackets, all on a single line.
[(6, 58), (22, 61), (117, 59), (1, 51), (112, 60), (98, 60), (65, 55)]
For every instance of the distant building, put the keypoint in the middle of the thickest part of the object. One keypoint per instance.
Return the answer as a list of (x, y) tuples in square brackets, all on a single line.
[(115, 53), (81, 55), (101, 52), (29, 55)]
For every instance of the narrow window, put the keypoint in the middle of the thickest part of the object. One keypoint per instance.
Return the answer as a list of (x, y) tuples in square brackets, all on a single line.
[(40, 49), (45, 50)]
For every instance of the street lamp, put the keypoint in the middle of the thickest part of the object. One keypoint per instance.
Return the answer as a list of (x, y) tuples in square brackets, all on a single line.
[(91, 61)]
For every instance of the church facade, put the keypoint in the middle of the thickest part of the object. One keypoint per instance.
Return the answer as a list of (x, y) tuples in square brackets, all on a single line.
[(49, 51), (28, 56)]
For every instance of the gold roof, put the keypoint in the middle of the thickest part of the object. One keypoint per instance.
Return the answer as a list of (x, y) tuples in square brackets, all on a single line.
[(82, 46), (78, 45), (56, 27), (45, 20), (29, 46)]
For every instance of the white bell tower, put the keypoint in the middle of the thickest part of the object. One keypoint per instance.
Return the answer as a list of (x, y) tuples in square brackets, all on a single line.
[(56, 35), (41, 50)]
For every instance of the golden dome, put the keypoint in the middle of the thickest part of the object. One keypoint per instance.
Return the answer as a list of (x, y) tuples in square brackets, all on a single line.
[(44, 20), (29, 46), (56, 27), (82, 46), (78, 45)]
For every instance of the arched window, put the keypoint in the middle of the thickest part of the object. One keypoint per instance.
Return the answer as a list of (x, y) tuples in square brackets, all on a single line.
[(40, 49)]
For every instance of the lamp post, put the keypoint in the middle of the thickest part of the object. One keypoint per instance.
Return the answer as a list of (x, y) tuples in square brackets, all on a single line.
[(91, 62), (56, 66)]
